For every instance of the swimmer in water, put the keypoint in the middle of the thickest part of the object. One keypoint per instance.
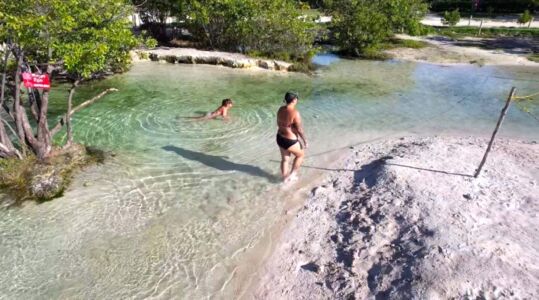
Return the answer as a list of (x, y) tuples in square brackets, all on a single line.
[(222, 111), (288, 137)]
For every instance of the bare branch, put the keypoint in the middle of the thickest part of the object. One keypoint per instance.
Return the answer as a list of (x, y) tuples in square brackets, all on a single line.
[(11, 129), (62, 121), (6, 152)]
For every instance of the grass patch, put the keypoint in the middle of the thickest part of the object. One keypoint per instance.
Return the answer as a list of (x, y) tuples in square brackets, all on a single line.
[(14, 175), (404, 43), (465, 31), (374, 54), (534, 57)]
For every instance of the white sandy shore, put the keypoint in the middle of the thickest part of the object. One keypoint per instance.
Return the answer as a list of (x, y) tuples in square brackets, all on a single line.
[(402, 220), (447, 52), (499, 22)]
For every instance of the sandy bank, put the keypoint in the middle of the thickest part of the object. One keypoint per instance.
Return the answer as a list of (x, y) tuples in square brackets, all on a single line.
[(227, 59), (445, 51), (498, 22), (403, 219)]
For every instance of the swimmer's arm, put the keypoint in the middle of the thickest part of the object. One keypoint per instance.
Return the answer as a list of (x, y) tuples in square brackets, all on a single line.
[(299, 129)]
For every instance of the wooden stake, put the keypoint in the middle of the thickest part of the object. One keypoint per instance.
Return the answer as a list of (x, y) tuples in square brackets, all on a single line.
[(480, 27), (500, 120)]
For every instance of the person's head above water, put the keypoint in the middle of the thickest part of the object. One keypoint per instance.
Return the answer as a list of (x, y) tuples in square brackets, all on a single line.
[(227, 102), (289, 97)]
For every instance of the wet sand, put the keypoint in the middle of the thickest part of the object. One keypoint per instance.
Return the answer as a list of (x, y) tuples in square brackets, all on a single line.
[(404, 218)]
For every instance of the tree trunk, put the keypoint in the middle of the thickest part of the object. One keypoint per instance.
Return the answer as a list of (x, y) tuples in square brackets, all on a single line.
[(4, 70), (33, 103), (68, 114), (6, 146), (17, 102), (24, 129), (43, 133)]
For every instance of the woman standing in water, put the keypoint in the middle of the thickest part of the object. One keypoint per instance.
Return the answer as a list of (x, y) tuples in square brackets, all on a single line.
[(288, 135)]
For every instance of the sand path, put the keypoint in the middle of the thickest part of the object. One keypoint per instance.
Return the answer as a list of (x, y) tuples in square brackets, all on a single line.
[(447, 52), (499, 22), (404, 220)]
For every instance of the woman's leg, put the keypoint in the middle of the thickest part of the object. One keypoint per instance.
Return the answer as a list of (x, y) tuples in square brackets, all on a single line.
[(285, 159), (298, 160)]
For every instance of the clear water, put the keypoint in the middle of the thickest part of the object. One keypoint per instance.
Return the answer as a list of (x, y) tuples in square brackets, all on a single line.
[(177, 210)]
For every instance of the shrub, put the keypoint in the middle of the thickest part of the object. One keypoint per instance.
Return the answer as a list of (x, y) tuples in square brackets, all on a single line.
[(524, 18), (271, 28), (451, 18), (362, 25)]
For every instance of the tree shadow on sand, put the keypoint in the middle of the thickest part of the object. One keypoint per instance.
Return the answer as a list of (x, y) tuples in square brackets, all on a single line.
[(219, 163)]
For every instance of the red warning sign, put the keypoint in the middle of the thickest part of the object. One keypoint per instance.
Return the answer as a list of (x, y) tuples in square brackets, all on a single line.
[(36, 81)]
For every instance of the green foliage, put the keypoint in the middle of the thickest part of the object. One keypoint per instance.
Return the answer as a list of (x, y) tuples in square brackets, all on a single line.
[(362, 25), (87, 36), (374, 53), (404, 43), (154, 15), (14, 174), (157, 11), (103, 41), (451, 18), (526, 17), (150, 43), (272, 28), (405, 15), (534, 57)]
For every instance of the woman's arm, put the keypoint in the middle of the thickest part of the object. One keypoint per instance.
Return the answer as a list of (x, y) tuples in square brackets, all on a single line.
[(299, 129)]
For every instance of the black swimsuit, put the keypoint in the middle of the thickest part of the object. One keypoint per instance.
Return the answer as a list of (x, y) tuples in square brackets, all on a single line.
[(285, 143)]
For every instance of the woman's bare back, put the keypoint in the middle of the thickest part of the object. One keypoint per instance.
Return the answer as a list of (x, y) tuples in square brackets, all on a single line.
[(286, 122)]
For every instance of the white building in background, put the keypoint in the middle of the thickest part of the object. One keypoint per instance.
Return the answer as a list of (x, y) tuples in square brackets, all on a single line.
[(137, 21)]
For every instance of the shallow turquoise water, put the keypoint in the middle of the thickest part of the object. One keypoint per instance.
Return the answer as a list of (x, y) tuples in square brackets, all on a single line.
[(173, 213)]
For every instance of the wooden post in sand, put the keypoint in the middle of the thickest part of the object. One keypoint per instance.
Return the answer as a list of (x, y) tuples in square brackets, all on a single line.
[(500, 120), (480, 27)]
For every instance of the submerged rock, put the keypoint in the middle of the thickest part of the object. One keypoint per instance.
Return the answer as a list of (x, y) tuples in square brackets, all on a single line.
[(46, 182)]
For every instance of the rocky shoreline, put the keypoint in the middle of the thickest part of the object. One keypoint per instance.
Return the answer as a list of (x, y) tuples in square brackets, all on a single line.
[(226, 59)]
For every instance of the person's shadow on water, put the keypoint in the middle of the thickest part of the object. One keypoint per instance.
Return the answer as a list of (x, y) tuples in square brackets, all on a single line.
[(220, 163)]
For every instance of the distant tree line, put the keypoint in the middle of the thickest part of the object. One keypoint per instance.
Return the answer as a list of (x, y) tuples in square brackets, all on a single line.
[(272, 28), (281, 28), (493, 6)]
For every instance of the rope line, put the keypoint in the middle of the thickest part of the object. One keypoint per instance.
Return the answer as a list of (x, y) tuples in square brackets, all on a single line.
[(526, 97)]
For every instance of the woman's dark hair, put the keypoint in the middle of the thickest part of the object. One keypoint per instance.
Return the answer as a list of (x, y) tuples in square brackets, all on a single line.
[(227, 101), (290, 96)]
